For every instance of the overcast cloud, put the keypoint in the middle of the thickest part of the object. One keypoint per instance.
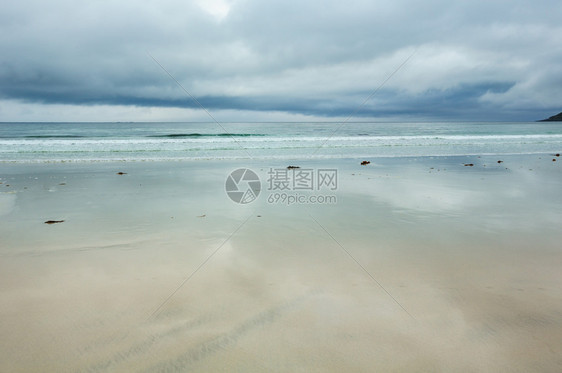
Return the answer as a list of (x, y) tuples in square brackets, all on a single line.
[(280, 60)]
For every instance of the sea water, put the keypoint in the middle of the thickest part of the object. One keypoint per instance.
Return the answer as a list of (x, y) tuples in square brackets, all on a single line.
[(95, 142)]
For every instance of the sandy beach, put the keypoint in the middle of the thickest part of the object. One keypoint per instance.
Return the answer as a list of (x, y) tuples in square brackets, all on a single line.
[(422, 264)]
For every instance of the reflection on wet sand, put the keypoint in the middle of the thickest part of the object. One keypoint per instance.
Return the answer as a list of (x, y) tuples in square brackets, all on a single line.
[(136, 280)]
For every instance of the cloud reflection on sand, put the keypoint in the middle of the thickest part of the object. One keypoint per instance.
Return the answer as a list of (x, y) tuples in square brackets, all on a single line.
[(472, 253)]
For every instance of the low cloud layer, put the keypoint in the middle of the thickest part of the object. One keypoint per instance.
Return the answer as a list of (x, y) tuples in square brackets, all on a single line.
[(498, 60)]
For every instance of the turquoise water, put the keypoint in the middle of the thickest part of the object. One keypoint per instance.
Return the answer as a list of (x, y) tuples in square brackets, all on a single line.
[(94, 142)]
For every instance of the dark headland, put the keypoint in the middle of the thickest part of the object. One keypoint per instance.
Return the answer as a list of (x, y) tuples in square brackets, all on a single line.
[(554, 118)]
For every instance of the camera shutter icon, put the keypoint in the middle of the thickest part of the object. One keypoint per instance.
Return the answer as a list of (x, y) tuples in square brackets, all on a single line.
[(243, 186)]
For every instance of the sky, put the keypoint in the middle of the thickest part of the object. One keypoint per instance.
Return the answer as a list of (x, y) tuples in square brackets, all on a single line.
[(280, 60)]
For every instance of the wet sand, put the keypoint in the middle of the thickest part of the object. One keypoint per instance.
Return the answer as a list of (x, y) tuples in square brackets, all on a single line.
[(423, 264)]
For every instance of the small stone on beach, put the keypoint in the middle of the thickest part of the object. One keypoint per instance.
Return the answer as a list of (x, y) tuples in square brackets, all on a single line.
[(54, 221)]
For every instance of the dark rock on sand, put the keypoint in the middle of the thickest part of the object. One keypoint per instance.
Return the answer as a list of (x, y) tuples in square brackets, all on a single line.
[(554, 118), (54, 221)]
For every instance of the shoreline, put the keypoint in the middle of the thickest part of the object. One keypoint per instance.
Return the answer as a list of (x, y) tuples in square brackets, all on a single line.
[(271, 158)]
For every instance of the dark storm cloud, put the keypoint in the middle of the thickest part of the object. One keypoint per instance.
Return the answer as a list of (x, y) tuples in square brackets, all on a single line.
[(495, 60)]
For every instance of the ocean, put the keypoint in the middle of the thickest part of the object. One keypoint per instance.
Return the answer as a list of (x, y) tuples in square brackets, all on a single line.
[(103, 142)]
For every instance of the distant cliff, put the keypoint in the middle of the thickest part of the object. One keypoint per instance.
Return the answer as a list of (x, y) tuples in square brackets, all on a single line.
[(554, 118)]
